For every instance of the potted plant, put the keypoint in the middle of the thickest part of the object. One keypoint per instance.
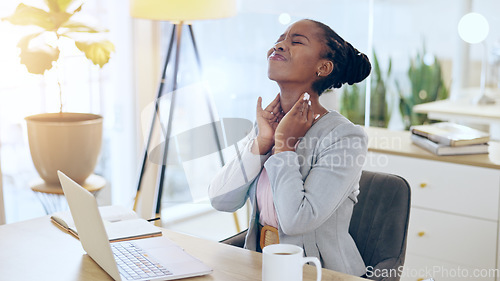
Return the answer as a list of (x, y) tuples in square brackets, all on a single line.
[(352, 103), (69, 142), (427, 85)]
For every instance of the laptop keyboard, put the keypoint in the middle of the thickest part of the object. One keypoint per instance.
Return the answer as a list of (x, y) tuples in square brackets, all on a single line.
[(134, 263)]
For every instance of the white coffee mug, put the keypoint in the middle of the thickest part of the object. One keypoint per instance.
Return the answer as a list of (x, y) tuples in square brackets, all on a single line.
[(286, 262)]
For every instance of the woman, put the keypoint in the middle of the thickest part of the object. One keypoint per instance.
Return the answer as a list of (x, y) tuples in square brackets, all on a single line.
[(302, 164)]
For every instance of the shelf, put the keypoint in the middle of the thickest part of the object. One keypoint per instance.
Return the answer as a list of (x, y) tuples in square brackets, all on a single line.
[(399, 143)]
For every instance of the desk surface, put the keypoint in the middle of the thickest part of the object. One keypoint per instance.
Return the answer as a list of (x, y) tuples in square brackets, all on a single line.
[(462, 107), (38, 250), (399, 143)]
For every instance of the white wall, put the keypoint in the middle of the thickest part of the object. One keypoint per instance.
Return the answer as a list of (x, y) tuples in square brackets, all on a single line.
[(118, 99), (401, 27)]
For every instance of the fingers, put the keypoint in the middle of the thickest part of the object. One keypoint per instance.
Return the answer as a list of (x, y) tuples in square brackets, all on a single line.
[(302, 107), (279, 116), (310, 114), (274, 104), (259, 104), (298, 107), (261, 112), (273, 112), (277, 109)]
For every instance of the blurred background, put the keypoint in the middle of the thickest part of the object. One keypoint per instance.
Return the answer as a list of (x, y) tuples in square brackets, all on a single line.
[(416, 53)]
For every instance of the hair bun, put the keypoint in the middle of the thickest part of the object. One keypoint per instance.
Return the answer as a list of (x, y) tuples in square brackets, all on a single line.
[(349, 65), (359, 66)]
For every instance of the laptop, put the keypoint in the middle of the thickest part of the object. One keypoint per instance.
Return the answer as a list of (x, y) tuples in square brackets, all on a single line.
[(156, 258)]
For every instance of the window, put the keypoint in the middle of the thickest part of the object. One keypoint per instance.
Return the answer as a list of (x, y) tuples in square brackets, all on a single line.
[(87, 89)]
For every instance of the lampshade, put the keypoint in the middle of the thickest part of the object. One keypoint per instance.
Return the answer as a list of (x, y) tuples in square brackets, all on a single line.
[(182, 10)]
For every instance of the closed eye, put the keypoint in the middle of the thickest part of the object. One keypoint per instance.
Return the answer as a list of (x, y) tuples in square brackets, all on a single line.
[(301, 37)]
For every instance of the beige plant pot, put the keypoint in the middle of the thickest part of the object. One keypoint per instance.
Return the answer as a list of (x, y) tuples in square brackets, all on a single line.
[(69, 142)]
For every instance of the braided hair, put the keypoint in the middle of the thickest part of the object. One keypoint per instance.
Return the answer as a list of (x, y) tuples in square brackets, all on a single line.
[(350, 65)]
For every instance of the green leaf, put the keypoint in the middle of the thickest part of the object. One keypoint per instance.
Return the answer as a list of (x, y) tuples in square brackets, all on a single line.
[(28, 15), (98, 52), (37, 60), (58, 5), (74, 26), (376, 65), (390, 67)]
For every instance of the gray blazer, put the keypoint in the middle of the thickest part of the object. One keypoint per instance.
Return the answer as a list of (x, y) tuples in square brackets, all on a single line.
[(314, 191)]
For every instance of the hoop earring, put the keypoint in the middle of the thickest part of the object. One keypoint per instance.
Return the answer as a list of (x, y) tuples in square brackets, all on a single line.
[(319, 73)]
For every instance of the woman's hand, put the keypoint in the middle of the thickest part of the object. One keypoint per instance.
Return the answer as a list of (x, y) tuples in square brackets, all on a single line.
[(294, 125), (267, 121)]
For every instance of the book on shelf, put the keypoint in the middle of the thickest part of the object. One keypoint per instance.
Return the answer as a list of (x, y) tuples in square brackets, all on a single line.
[(451, 134), (441, 149), (120, 223)]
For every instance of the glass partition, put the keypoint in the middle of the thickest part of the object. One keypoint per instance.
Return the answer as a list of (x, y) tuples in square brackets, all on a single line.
[(233, 55)]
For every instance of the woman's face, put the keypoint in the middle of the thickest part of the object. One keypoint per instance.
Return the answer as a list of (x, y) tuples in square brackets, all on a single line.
[(295, 57)]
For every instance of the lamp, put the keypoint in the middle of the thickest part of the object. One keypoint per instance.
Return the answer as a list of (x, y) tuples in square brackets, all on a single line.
[(180, 13), (473, 28), (182, 10)]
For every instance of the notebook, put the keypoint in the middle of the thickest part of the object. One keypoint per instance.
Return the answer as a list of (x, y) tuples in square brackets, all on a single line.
[(120, 223), (157, 258)]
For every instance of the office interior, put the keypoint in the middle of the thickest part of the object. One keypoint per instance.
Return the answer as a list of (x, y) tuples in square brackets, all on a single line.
[(398, 35)]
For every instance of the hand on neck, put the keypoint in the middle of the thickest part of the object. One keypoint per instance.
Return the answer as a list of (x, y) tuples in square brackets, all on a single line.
[(289, 96)]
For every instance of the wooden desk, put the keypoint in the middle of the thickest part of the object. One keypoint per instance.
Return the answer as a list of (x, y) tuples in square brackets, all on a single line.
[(386, 141), (38, 250)]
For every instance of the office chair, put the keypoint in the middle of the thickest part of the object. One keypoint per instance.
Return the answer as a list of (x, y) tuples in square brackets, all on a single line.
[(379, 223)]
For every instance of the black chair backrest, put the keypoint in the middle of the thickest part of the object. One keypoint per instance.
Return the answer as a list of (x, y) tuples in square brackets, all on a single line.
[(379, 222)]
